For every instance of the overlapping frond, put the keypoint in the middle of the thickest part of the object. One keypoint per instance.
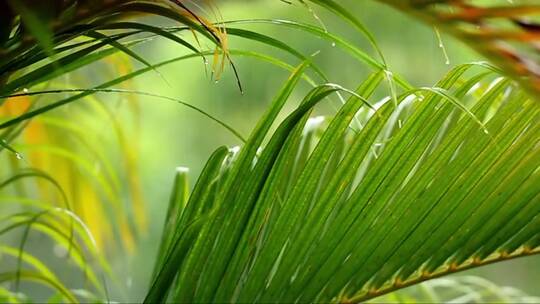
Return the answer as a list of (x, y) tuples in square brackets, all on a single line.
[(41, 41), (445, 181), (70, 31), (425, 182)]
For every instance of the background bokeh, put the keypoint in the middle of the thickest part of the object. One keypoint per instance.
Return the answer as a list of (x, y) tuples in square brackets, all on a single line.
[(167, 135)]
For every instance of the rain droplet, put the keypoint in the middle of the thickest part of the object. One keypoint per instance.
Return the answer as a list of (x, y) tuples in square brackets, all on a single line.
[(18, 156), (333, 44), (20, 295), (234, 149), (313, 123), (25, 90), (182, 169), (442, 47), (97, 167), (59, 251)]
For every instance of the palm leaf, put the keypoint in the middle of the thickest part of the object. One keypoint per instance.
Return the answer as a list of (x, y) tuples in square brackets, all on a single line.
[(383, 196), (333, 222), (42, 41), (46, 31)]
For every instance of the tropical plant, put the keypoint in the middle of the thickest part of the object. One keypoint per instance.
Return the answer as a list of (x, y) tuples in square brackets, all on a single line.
[(420, 189), (34, 56), (402, 185)]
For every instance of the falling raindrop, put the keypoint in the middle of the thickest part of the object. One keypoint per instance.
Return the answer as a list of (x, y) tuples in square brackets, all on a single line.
[(392, 86), (441, 45), (316, 17), (316, 53)]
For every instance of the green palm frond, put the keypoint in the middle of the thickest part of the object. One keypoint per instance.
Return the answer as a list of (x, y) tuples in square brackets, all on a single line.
[(348, 210), (71, 32), (388, 193)]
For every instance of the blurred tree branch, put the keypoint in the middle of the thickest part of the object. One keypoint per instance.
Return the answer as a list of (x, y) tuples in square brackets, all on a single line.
[(508, 34)]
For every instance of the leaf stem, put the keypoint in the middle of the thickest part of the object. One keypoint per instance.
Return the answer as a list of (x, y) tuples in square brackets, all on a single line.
[(426, 276)]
